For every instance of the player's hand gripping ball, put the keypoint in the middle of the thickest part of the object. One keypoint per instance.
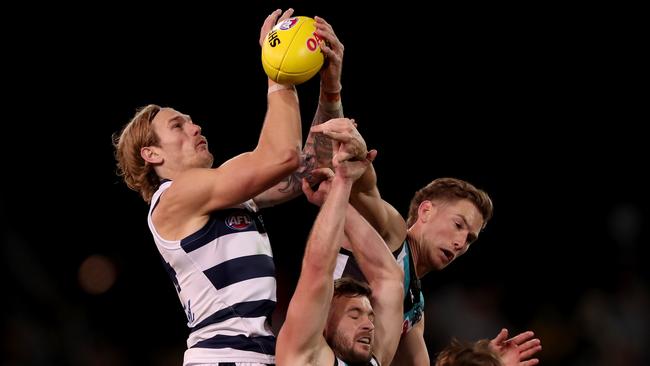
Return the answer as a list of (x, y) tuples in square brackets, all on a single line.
[(291, 53)]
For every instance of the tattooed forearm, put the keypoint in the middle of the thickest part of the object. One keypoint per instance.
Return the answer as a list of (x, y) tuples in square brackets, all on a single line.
[(317, 152), (293, 183), (319, 144), (324, 114), (323, 149)]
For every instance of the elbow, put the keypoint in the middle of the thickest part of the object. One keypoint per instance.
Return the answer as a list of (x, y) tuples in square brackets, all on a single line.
[(289, 160), (276, 163)]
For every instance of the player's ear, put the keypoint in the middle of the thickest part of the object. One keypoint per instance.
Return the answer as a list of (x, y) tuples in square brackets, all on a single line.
[(151, 155), (425, 210)]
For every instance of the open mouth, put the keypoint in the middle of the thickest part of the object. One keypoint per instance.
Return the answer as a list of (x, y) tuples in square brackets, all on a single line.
[(364, 340), (448, 254)]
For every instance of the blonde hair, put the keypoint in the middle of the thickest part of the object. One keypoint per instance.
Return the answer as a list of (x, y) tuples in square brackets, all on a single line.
[(138, 174), (450, 190)]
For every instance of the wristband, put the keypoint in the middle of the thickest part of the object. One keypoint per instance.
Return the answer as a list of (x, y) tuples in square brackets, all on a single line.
[(337, 91), (277, 87), (333, 96)]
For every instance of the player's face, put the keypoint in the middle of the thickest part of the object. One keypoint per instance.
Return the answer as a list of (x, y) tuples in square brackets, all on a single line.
[(350, 328), (181, 144), (448, 229)]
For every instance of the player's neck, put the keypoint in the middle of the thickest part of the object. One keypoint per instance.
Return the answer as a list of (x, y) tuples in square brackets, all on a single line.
[(414, 247)]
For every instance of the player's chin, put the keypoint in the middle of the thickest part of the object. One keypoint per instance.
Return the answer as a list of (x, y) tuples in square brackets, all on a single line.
[(362, 352), (440, 261), (206, 158), (439, 265)]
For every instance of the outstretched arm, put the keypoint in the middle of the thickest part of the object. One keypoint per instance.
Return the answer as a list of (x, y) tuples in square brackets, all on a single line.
[(344, 137), (329, 102), (318, 148), (201, 191), (378, 265), (301, 334), (385, 278), (301, 337), (365, 195), (382, 215)]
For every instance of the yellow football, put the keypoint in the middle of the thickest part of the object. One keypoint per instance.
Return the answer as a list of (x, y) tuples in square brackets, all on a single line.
[(291, 53)]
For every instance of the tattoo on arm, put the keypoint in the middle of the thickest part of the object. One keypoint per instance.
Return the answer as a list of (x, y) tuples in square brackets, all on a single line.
[(323, 115), (293, 183), (323, 149), (317, 152)]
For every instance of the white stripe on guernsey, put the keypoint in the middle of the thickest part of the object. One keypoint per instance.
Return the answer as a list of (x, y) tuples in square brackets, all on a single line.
[(230, 246), (254, 327), (261, 288), (207, 356), (341, 262)]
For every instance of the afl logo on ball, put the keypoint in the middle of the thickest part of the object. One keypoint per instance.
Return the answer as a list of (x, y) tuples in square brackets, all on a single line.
[(287, 24), (238, 222)]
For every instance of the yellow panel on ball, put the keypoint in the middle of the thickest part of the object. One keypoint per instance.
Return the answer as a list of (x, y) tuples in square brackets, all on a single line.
[(291, 53)]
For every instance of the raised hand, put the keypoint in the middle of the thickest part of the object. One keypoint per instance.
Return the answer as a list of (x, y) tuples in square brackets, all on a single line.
[(333, 50), (516, 351), (344, 132), (352, 168), (272, 20), (349, 169), (325, 175)]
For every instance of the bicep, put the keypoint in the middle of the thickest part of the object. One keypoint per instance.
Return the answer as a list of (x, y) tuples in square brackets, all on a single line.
[(235, 181)]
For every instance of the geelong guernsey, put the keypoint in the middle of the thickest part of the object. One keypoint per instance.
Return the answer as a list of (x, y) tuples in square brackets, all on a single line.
[(224, 276)]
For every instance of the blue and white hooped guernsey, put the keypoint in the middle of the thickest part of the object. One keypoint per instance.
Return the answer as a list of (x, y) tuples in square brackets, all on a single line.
[(224, 276)]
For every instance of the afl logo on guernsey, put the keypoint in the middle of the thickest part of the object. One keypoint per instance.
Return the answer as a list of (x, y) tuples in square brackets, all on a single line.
[(239, 221)]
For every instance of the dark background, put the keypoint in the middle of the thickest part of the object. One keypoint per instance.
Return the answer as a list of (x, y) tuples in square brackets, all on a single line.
[(542, 106)]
